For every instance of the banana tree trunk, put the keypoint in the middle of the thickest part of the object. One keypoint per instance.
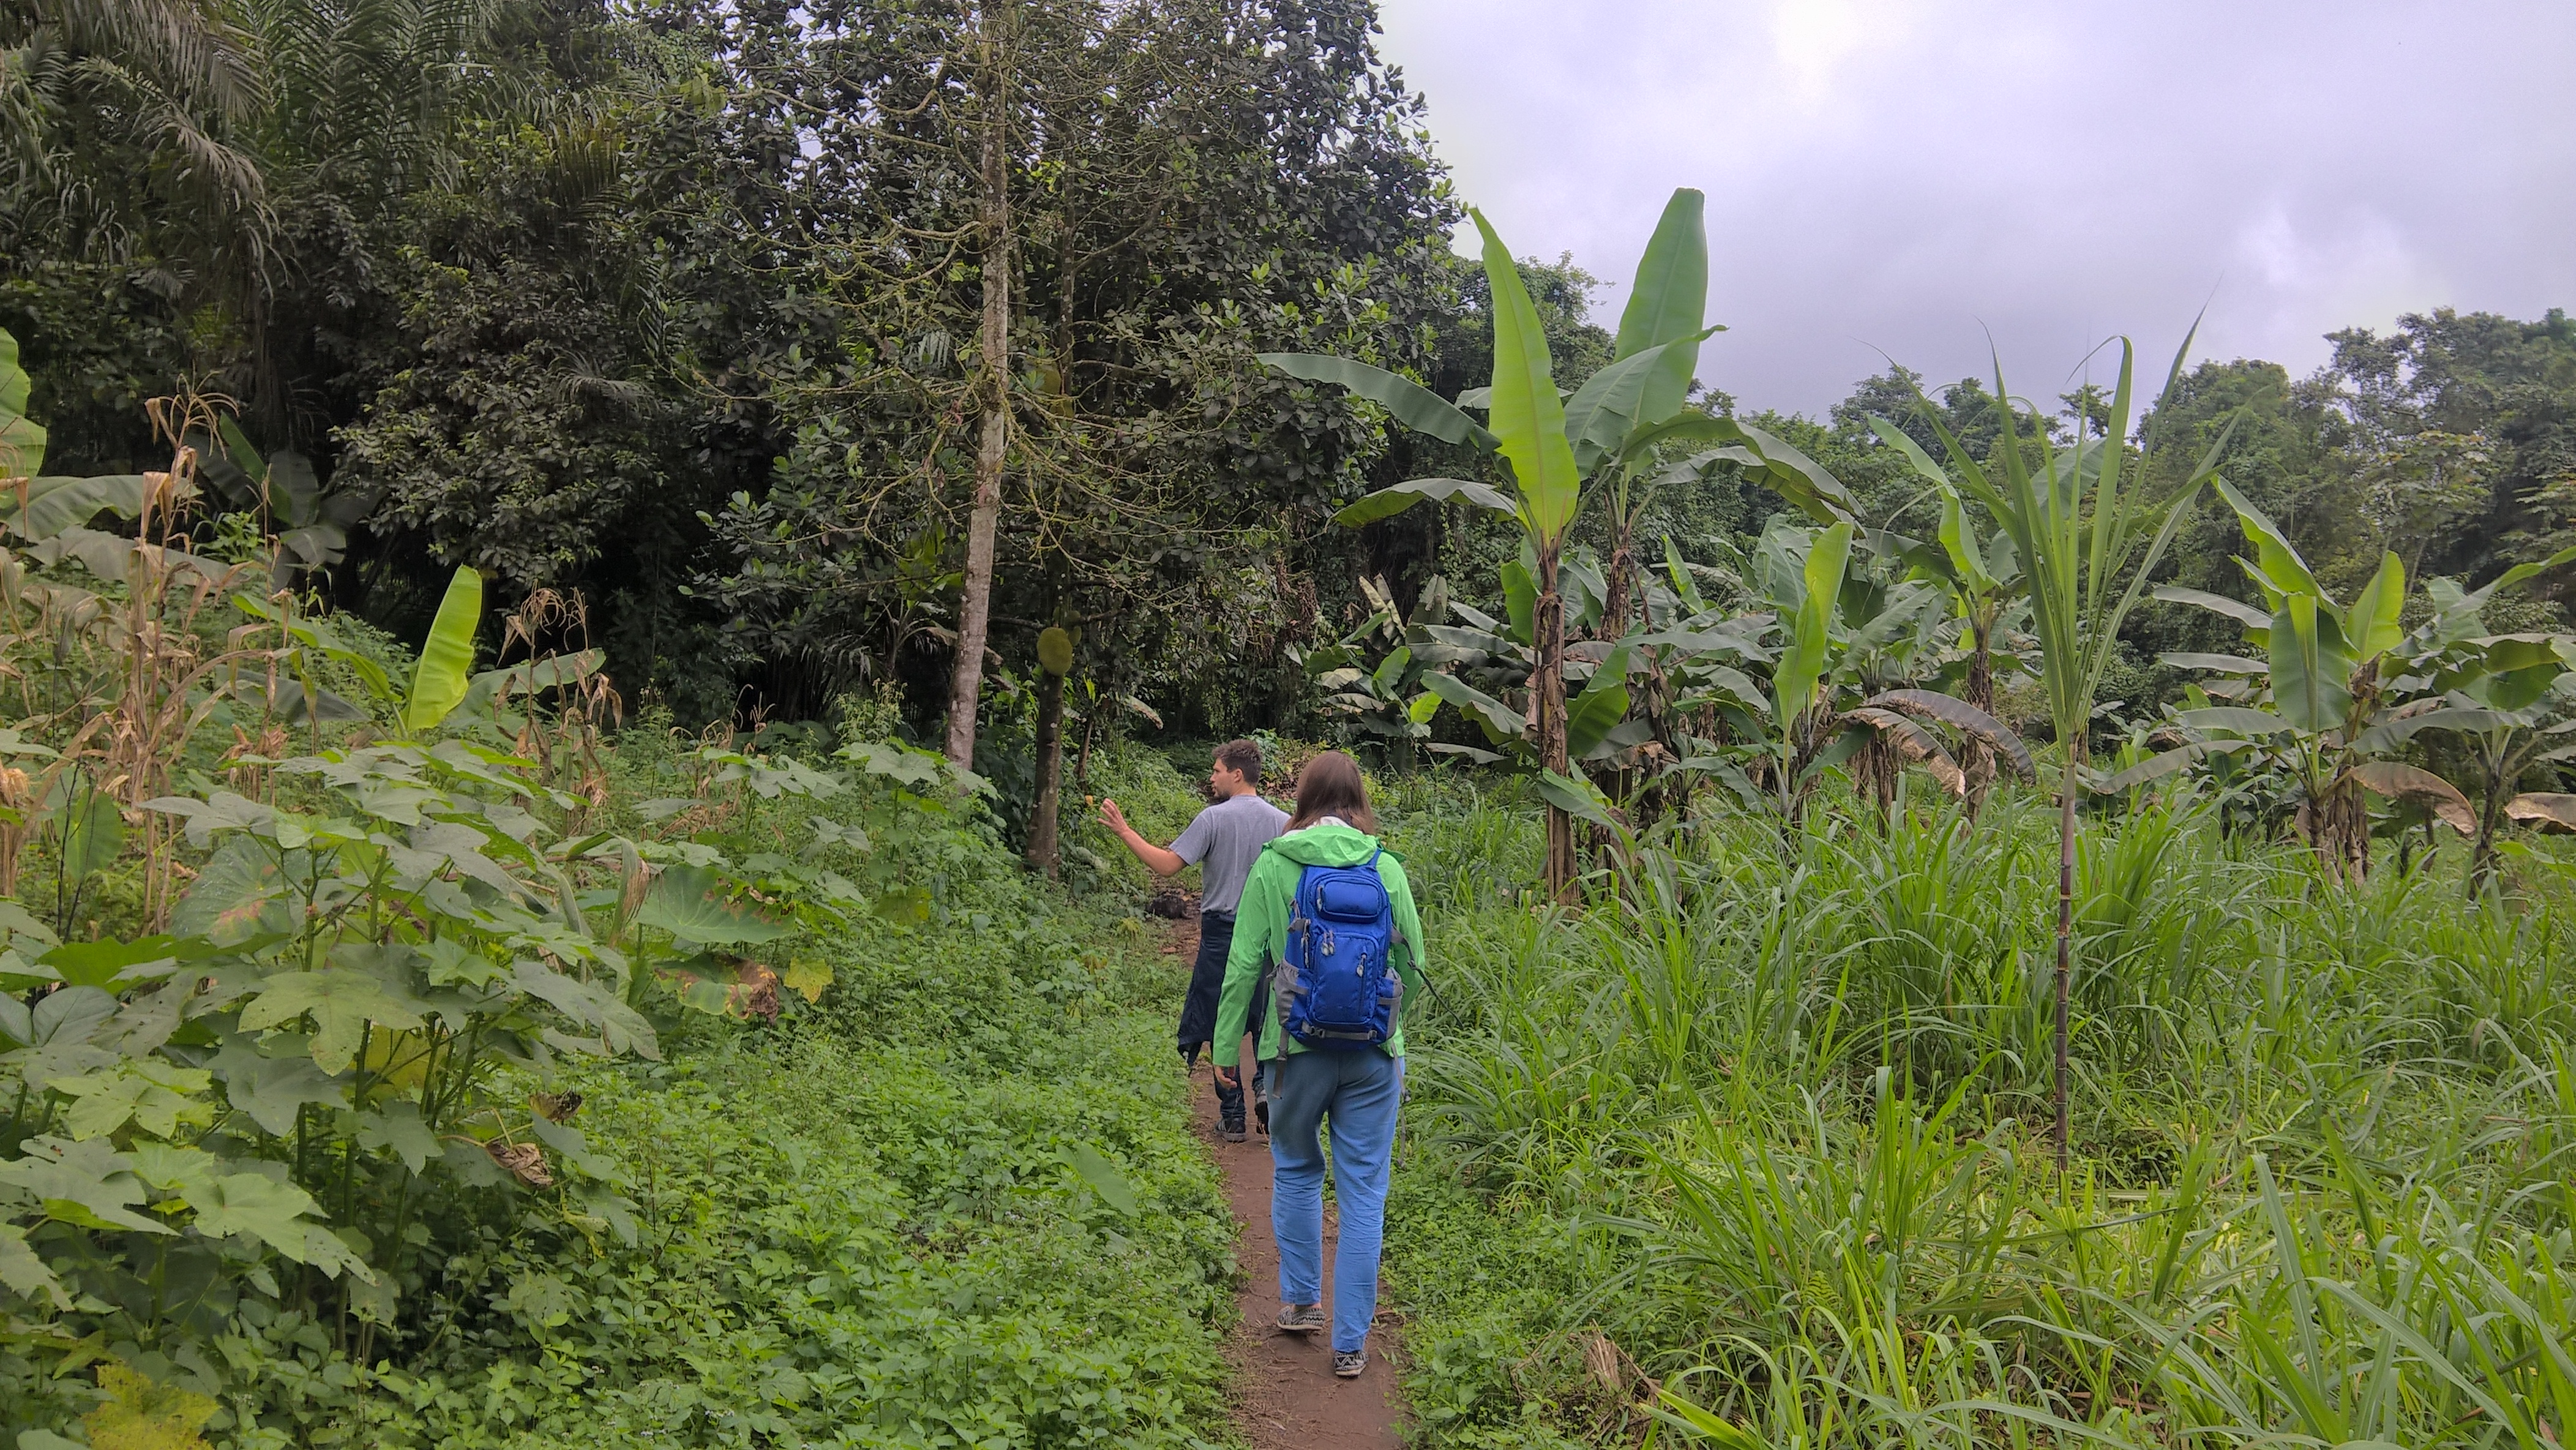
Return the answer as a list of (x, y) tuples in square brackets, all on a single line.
[(1548, 687), (1043, 853), (1976, 758), (974, 616), (2066, 790)]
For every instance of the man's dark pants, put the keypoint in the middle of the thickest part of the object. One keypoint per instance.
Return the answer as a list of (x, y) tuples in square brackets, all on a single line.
[(1198, 1010)]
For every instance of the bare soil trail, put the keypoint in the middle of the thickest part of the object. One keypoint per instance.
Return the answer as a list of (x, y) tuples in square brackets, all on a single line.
[(1286, 1397)]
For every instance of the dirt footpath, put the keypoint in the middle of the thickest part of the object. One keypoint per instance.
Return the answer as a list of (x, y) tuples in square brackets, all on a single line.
[(1285, 1394)]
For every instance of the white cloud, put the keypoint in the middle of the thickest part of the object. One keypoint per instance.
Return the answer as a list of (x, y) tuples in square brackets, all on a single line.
[(1910, 175)]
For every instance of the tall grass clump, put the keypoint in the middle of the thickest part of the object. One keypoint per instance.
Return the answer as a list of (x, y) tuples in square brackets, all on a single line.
[(1775, 1111)]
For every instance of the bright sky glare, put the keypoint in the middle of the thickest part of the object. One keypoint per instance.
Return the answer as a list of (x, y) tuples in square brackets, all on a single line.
[(1907, 175)]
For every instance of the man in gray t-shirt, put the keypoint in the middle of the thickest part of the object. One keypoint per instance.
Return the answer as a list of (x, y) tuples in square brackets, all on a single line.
[(1224, 841)]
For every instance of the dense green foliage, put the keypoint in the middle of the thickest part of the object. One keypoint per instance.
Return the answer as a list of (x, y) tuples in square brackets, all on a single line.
[(603, 1024), (1775, 1117)]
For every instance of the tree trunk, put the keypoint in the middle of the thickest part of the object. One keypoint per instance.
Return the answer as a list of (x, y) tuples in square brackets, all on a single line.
[(1621, 582), (1976, 758), (974, 615), (1548, 687), (1042, 814), (2337, 825), (2483, 859), (2065, 924)]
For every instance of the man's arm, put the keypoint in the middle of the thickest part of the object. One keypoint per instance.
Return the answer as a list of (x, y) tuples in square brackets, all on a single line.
[(1156, 859)]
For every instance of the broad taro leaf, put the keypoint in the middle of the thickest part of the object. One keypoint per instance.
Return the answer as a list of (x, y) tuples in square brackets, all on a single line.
[(225, 902), (693, 904)]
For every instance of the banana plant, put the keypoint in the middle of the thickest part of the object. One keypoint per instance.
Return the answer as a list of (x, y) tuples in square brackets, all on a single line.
[(1620, 420), (1486, 668), (311, 522), (2077, 533), (2339, 687), (441, 678), (1386, 698), (1842, 686), (2510, 700)]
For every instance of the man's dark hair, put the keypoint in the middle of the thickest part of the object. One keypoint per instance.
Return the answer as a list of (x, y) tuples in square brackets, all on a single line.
[(1242, 757)]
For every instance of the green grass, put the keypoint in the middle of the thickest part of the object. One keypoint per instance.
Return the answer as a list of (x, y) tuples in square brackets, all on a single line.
[(1772, 1117)]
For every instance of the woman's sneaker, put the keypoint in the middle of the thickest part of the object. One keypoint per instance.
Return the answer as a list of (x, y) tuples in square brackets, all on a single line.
[(1347, 1363), (1302, 1318)]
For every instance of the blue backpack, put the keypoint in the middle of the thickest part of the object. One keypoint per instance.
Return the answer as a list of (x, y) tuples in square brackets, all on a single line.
[(1337, 986)]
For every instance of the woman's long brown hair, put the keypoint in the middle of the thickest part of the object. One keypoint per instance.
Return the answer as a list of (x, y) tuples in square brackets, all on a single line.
[(1330, 785)]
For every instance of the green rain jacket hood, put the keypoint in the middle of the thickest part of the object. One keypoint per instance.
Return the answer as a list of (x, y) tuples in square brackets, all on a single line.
[(1261, 932)]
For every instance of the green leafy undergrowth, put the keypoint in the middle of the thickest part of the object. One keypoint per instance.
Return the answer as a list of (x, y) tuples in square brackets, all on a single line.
[(892, 1245)]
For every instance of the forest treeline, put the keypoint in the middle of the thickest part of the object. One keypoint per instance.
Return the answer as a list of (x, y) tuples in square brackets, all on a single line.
[(683, 305)]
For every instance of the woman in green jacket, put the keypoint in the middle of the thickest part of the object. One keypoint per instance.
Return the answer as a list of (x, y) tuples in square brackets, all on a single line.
[(1356, 1090)]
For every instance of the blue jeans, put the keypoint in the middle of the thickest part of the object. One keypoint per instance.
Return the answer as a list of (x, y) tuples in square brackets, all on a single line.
[(1359, 1092)]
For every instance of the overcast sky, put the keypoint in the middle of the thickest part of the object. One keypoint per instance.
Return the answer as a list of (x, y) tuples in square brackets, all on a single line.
[(1906, 175)]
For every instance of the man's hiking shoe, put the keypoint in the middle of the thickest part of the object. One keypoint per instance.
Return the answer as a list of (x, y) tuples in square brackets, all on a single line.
[(1302, 1318), (1232, 1126), (1261, 1110), (1347, 1363)]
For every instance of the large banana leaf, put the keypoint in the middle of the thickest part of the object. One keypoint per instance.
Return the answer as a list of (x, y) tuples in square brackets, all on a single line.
[(1527, 416), (1500, 722), (438, 682), (1963, 717), (22, 443), (2236, 718), (2281, 568), (2234, 609), (56, 504), (2155, 767), (1413, 405), (2413, 783), (2390, 734), (2549, 808), (1615, 401), (1793, 683), (1667, 306), (2372, 621), (1393, 500), (2310, 665), (1594, 713)]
